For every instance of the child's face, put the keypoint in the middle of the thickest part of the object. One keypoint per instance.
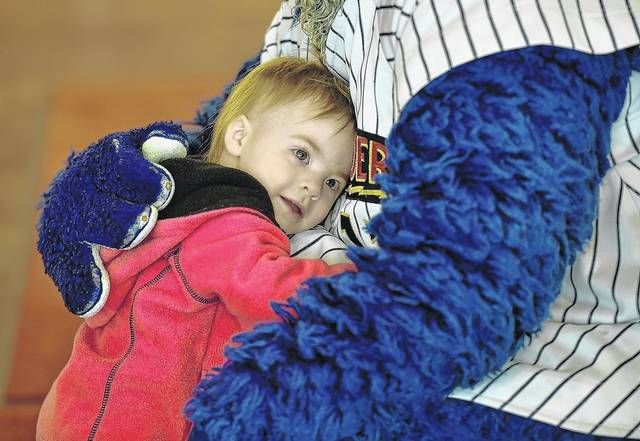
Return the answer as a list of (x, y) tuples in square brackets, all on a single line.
[(304, 163)]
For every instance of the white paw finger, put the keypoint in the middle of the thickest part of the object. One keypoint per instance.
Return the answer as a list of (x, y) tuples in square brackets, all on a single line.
[(156, 149)]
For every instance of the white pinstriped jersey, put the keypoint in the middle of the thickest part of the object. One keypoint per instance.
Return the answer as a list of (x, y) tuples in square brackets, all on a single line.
[(582, 371), (318, 243)]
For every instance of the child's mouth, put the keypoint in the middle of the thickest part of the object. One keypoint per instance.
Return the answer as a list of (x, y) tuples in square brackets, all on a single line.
[(293, 207)]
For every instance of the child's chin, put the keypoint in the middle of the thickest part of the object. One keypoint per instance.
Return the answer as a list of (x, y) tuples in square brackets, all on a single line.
[(290, 230), (285, 226)]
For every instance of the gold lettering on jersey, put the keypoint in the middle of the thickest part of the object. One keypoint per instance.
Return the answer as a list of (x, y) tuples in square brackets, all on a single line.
[(369, 159)]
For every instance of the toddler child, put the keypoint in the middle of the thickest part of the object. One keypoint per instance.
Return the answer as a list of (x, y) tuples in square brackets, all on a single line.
[(281, 154)]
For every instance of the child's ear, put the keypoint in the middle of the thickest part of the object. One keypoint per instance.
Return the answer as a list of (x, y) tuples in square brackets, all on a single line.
[(236, 135)]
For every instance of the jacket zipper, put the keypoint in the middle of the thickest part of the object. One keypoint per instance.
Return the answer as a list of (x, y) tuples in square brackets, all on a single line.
[(116, 367)]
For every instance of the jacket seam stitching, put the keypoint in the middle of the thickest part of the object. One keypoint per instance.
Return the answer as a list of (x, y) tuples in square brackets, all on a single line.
[(175, 255)]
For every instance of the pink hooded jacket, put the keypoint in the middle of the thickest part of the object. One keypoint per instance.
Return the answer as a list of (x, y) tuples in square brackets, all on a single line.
[(175, 302)]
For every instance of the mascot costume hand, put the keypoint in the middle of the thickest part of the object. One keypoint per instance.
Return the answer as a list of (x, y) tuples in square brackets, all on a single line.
[(107, 196), (504, 137)]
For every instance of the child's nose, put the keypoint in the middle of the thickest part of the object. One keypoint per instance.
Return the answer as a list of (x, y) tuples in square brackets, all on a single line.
[(312, 189)]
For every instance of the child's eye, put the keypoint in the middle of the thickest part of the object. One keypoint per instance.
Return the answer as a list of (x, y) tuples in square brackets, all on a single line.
[(333, 184), (302, 155)]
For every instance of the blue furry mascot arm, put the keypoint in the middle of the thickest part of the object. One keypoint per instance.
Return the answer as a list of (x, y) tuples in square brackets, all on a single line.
[(109, 195), (492, 183)]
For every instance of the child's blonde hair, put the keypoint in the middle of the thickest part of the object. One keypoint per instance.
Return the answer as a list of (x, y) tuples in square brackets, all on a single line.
[(281, 81)]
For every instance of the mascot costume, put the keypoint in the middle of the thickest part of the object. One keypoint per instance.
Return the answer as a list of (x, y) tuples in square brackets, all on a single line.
[(493, 213)]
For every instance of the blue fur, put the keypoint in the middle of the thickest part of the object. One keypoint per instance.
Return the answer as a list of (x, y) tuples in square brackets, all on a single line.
[(493, 176), (95, 200)]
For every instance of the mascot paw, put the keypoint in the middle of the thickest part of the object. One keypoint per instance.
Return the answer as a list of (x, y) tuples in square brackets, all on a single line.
[(108, 195)]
